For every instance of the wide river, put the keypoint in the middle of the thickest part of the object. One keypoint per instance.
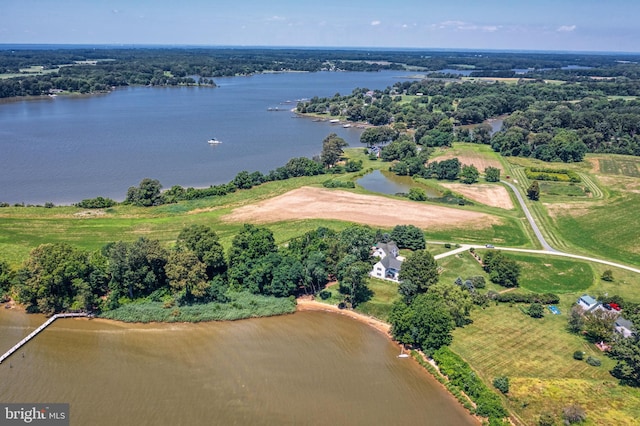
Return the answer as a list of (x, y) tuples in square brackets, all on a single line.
[(312, 368), (65, 149)]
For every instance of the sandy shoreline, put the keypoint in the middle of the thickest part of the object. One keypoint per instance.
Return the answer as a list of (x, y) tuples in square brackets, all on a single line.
[(305, 304)]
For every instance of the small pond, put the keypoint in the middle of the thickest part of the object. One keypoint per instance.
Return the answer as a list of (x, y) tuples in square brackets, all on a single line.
[(389, 183)]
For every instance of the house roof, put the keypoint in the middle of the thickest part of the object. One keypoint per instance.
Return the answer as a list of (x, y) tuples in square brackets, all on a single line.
[(621, 322), (388, 248), (390, 262), (588, 300)]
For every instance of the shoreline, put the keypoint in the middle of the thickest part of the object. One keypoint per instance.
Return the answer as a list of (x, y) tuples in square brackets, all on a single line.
[(306, 304)]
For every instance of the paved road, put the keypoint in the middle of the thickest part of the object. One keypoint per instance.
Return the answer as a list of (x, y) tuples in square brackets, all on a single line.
[(465, 247), (532, 222), (547, 249)]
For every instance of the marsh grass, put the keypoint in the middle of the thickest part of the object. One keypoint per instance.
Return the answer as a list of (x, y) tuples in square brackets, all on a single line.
[(241, 305)]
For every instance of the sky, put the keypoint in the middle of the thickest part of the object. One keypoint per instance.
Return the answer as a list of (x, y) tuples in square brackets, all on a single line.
[(560, 25)]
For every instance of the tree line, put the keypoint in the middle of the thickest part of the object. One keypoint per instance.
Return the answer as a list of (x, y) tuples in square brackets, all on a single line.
[(58, 277)]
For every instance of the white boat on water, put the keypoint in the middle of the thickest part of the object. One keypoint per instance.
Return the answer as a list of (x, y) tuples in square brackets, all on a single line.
[(213, 141)]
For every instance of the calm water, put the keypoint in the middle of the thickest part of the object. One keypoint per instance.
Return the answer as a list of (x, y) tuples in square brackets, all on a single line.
[(390, 183), (308, 368), (69, 148)]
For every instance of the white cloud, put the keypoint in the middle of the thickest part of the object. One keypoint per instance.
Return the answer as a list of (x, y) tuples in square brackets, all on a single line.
[(374, 23), (566, 28), (277, 18), (466, 26), (115, 11)]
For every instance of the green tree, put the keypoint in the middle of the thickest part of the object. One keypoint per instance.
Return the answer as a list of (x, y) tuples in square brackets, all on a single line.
[(421, 269), (417, 194), (378, 135), (203, 241), (288, 275), (536, 310), (626, 351), (136, 269), (502, 270), (533, 192), (332, 149), (357, 240), (186, 273), (576, 319), (598, 325), (457, 301), (243, 180), (57, 277), (425, 323), (408, 236), (6, 278), (502, 384), (469, 174), (248, 249), (352, 275), (492, 174), (146, 194), (482, 133)]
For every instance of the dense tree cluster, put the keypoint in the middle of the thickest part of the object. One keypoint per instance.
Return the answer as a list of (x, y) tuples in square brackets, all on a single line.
[(502, 270), (59, 277)]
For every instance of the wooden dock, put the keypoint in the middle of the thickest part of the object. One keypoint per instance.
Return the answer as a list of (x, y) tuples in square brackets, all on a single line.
[(35, 332)]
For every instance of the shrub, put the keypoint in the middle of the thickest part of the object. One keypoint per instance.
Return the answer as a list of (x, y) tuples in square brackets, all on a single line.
[(338, 184), (546, 419), (417, 194), (502, 384), (324, 294), (96, 203), (573, 414), (513, 297), (536, 310), (477, 281), (607, 275), (594, 361), (579, 355)]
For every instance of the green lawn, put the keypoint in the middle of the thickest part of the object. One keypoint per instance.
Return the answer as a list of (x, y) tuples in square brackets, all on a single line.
[(536, 355), (549, 274), (620, 165), (384, 294)]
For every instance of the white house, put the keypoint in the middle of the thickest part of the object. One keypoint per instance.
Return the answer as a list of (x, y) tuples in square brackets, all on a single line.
[(587, 302), (624, 327), (390, 263)]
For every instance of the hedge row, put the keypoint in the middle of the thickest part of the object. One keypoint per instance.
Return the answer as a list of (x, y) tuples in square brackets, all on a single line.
[(460, 374), (513, 297), (557, 175)]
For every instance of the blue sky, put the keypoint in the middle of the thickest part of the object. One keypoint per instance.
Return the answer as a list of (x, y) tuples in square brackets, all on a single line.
[(574, 25)]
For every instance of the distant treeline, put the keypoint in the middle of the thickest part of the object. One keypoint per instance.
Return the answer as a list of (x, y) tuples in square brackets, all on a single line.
[(551, 122), (98, 69)]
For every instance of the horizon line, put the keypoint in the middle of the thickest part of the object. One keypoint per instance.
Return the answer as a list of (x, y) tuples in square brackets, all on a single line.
[(4, 46)]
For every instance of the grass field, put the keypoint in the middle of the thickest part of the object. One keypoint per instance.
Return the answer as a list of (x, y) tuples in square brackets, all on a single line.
[(619, 165), (536, 355), (549, 274)]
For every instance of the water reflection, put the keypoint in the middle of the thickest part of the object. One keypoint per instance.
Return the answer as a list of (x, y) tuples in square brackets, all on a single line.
[(386, 182)]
